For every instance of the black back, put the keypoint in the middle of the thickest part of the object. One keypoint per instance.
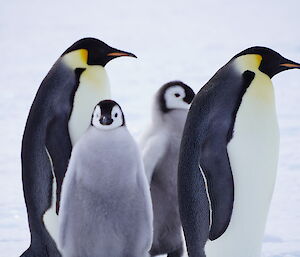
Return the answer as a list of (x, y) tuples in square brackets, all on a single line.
[(208, 129), (47, 127)]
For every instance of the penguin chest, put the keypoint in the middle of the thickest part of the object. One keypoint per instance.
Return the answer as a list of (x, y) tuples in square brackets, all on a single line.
[(93, 87), (253, 155)]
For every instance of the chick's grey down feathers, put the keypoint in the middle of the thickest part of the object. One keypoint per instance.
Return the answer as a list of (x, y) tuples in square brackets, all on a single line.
[(160, 147), (106, 207)]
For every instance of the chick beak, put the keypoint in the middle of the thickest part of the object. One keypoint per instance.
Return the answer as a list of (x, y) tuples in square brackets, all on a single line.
[(106, 120)]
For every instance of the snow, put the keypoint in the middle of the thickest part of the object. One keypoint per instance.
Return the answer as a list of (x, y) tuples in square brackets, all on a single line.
[(187, 40)]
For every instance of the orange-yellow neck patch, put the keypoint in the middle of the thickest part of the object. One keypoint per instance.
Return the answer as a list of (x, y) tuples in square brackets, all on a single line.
[(248, 62), (76, 59)]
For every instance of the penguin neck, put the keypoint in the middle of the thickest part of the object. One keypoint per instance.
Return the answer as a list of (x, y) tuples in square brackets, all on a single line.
[(76, 59), (94, 76), (261, 88), (93, 87), (249, 62), (174, 119)]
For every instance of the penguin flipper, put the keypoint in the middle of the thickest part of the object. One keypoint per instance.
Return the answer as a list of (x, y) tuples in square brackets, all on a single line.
[(214, 160), (205, 183), (59, 146), (192, 197), (215, 167)]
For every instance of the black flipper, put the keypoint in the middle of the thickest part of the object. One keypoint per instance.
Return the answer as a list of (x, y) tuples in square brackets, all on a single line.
[(215, 164), (37, 192), (208, 129), (53, 103), (59, 146), (58, 141), (192, 197)]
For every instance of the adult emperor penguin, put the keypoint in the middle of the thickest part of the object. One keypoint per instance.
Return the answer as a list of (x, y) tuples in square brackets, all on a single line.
[(160, 149), (58, 116), (228, 157), (106, 206)]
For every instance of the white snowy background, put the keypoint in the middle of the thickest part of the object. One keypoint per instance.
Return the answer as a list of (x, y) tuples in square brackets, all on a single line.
[(174, 39)]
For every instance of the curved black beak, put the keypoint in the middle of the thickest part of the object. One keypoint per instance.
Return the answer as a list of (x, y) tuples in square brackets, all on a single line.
[(288, 64), (118, 53)]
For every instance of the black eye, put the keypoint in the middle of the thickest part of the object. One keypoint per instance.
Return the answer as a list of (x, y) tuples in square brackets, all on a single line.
[(177, 95), (116, 115)]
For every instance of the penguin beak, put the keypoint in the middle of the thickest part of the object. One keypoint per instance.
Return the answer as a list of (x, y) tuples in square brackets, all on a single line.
[(290, 65), (118, 53), (105, 120)]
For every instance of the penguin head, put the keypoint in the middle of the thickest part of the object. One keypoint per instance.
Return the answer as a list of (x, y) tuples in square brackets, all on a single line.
[(267, 60), (92, 51), (175, 95), (107, 115)]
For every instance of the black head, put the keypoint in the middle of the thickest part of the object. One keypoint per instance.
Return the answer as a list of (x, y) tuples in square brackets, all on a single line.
[(99, 53), (272, 62), (107, 115), (175, 95)]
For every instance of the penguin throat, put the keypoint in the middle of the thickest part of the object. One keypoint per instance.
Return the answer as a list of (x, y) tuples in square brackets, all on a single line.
[(248, 62), (76, 59), (93, 87)]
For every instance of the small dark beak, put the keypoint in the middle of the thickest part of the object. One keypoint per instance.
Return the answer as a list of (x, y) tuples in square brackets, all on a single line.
[(290, 65), (118, 53), (106, 120)]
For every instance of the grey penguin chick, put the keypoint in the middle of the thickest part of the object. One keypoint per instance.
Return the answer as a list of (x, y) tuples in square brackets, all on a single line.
[(106, 208), (160, 150)]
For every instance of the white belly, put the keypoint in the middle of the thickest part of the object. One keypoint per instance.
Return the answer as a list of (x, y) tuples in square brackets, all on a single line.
[(93, 87), (253, 154)]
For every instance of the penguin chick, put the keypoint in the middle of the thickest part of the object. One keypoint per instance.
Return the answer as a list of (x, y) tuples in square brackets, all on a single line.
[(160, 150), (106, 206)]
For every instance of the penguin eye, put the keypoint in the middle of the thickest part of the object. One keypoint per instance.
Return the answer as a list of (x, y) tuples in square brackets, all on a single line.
[(177, 95), (116, 115)]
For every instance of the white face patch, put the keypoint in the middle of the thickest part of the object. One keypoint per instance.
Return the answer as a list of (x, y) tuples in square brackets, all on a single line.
[(107, 121), (174, 98)]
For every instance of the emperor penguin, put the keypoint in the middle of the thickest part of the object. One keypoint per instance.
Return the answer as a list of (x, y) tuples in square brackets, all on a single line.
[(160, 150), (228, 157), (106, 208), (58, 117)]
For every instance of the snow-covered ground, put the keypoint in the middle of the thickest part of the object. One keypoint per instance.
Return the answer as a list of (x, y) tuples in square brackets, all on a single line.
[(174, 39)]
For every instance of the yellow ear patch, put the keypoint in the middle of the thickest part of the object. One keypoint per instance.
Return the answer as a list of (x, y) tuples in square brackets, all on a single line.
[(248, 62), (76, 59)]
